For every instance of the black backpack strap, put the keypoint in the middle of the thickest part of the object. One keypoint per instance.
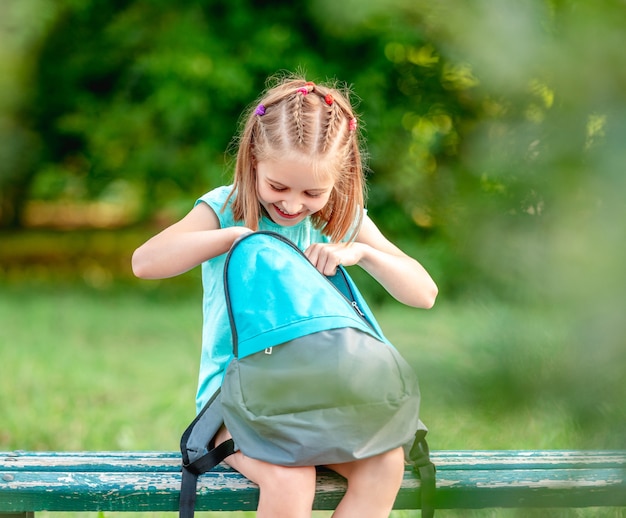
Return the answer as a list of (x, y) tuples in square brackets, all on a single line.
[(198, 454), (189, 482), (188, 487), (426, 471)]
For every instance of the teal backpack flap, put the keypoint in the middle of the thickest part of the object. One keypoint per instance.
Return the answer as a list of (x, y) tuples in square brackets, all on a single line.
[(313, 381), (274, 294)]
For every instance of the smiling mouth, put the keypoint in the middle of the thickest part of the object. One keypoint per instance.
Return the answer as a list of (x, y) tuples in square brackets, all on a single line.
[(286, 215)]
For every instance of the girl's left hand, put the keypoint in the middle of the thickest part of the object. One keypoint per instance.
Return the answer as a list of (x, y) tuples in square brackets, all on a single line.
[(327, 256)]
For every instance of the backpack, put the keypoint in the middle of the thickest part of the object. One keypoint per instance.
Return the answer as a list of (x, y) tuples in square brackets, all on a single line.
[(312, 379)]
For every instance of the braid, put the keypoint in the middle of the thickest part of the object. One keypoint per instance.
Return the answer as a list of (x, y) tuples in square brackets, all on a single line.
[(332, 127), (298, 120)]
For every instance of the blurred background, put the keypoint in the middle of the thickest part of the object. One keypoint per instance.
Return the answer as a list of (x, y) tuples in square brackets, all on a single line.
[(496, 137)]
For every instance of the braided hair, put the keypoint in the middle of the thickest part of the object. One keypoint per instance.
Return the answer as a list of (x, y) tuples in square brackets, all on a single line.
[(316, 122)]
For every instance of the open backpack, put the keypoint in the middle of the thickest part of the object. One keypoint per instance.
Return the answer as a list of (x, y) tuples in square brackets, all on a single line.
[(312, 379)]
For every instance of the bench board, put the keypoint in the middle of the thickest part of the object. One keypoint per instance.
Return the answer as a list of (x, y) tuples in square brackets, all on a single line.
[(150, 481)]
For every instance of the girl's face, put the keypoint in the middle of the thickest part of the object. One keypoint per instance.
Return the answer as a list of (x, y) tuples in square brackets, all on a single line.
[(289, 190)]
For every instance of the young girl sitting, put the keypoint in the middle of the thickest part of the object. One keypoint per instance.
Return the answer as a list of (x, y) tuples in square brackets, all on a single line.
[(299, 173)]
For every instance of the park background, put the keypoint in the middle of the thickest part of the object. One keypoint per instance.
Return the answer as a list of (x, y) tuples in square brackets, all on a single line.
[(496, 137)]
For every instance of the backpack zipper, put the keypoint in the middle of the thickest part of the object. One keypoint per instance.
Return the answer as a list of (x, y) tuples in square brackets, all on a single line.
[(352, 298), (357, 308)]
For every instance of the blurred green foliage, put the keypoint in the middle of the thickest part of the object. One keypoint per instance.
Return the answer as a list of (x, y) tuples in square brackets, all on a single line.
[(495, 132), (493, 129)]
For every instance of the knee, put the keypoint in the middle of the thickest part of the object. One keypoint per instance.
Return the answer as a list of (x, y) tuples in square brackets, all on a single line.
[(386, 469), (389, 466), (391, 463), (285, 480)]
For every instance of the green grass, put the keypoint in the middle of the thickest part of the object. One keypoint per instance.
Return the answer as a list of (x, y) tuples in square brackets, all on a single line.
[(116, 368), (89, 370)]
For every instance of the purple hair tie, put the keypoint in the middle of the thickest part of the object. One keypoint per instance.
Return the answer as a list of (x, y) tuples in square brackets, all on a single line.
[(260, 110)]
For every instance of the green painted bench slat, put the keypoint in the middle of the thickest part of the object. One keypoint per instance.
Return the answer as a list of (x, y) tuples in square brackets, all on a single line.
[(150, 481), (164, 461)]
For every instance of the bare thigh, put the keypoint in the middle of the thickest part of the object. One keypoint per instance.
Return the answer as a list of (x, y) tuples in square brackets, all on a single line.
[(285, 492), (245, 465), (259, 471)]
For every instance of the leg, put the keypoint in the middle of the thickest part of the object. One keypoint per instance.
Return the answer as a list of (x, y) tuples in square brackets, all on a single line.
[(373, 485), (285, 492)]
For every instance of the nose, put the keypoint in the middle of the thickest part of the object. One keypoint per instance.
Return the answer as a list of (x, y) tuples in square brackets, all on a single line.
[(292, 205)]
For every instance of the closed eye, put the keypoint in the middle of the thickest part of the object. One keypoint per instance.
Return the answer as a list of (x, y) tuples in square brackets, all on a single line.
[(277, 188)]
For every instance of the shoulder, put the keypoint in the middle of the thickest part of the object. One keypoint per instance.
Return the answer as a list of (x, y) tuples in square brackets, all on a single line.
[(216, 196), (216, 199)]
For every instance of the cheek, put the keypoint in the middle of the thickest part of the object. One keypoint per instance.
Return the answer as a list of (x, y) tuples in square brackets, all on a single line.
[(264, 195), (319, 203)]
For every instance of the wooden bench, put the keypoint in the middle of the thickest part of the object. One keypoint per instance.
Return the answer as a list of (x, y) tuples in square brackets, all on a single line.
[(150, 481)]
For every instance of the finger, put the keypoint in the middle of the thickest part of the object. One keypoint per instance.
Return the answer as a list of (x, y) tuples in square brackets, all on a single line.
[(330, 269), (329, 266), (312, 254), (319, 258)]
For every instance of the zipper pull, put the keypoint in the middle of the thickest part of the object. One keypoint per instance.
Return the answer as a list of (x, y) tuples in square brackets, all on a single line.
[(357, 308)]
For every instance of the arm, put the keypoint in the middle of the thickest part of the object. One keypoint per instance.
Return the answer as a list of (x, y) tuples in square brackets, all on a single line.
[(402, 276), (185, 244)]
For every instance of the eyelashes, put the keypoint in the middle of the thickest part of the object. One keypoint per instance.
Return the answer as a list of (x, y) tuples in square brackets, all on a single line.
[(277, 188)]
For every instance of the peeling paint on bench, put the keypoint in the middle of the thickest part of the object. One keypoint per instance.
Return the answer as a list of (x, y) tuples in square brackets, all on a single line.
[(150, 481)]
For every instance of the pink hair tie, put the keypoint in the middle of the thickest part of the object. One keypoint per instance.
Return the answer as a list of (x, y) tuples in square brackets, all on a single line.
[(352, 124), (328, 99), (260, 110), (303, 90)]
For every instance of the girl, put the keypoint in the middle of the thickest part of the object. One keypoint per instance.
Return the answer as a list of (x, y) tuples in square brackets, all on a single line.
[(298, 172)]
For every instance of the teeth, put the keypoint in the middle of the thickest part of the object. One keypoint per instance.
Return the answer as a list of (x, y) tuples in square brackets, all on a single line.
[(285, 212)]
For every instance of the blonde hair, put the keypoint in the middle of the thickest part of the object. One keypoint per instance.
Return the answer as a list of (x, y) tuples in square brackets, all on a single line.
[(303, 119)]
